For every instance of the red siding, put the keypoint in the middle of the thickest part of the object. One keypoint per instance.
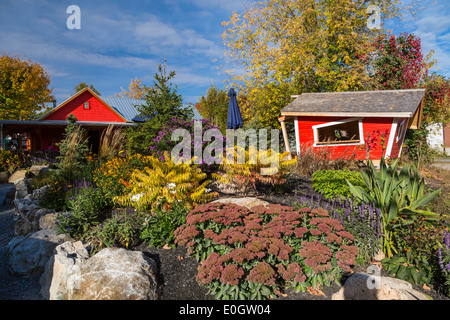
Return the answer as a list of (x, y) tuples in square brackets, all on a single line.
[(370, 126), (97, 110)]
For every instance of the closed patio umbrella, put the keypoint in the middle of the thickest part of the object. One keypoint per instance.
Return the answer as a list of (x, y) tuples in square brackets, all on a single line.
[(234, 119)]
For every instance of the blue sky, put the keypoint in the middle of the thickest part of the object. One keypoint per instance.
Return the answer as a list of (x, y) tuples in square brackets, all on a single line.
[(121, 40)]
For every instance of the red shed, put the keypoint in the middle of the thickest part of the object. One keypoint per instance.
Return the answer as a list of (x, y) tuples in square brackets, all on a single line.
[(366, 123)]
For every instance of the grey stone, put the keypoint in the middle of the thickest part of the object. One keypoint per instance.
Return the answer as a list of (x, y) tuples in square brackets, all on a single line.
[(29, 254)]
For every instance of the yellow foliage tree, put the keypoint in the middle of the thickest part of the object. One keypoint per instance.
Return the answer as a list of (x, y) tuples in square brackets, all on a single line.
[(137, 90), (282, 48), (23, 88)]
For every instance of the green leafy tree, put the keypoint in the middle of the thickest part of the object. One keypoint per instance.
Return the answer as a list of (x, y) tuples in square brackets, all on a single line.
[(215, 107), (162, 104), (24, 88), (83, 85)]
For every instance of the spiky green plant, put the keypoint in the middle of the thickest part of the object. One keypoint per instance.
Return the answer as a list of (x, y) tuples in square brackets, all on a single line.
[(398, 194)]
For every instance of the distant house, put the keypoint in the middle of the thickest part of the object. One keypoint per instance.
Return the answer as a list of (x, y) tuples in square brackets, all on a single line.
[(94, 114), (345, 122), (439, 137)]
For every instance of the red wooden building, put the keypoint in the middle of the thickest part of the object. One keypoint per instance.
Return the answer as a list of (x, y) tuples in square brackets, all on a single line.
[(94, 114), (354, 122)]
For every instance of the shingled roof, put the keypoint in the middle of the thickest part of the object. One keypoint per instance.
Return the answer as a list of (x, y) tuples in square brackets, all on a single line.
[(392, 103)]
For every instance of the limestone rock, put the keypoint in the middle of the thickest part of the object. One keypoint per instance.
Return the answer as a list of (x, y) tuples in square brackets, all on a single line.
[(381, 288), (28, 213), (247, 202), (22, 186), (18, 174), (38, 193), (29, 254), (48, 221), (117, 274), (36, 171), (62, 272)]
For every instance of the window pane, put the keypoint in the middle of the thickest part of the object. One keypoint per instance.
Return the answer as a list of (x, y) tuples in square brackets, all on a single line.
[(340, 132)]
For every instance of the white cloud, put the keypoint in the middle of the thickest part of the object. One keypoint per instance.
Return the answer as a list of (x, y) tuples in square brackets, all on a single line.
[(433, 27), (158, 36)]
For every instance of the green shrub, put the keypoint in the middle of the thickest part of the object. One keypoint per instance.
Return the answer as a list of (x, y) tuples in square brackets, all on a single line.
[(9, 161), (88, 207), (332, 183), (255, 254), (120, 230), (158, 228)]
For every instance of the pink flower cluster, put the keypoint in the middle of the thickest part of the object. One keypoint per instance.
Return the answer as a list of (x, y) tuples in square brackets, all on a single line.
[(269, 244)]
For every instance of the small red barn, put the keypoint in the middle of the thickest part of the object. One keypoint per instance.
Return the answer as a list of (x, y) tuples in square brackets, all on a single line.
[(366, 123), (94, 114)]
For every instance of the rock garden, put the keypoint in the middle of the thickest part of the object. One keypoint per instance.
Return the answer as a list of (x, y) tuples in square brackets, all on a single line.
[(122, 225)]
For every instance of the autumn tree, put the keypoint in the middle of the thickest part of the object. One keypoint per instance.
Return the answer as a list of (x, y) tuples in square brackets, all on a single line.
[(400, 62), (24, 88), (137, 90), (288, 47), (83, 85), (215, 107)]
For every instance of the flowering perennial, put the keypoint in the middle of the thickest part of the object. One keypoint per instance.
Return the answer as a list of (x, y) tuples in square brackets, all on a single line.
[(259, 252)]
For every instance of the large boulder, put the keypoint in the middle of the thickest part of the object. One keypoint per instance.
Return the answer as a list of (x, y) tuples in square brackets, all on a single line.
[(29, 254), (117, 274), (62, 272), (363, 286), (248, 202)]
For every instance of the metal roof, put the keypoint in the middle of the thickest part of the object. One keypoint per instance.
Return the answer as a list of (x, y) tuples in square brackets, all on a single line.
[(374, 103), (125, 106)]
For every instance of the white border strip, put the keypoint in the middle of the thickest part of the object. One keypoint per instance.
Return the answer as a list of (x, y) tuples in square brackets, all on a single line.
[(392, 134), (297, 135)]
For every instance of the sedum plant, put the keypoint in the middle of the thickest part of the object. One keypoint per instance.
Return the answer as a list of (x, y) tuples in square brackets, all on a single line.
[(256, 254), (399, 195), (168, 182)]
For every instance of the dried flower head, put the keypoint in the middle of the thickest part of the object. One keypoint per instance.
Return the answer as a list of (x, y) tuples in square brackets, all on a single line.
[(262, 273)]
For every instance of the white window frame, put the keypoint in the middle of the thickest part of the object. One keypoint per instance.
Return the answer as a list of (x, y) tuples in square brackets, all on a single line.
[(400, 131), (334, 123), (86, 104)]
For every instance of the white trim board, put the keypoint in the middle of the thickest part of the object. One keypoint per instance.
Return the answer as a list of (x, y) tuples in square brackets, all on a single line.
[(392, 134), (297, 135)]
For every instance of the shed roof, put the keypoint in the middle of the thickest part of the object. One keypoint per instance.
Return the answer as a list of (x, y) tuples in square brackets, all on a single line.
[(392, 103)]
